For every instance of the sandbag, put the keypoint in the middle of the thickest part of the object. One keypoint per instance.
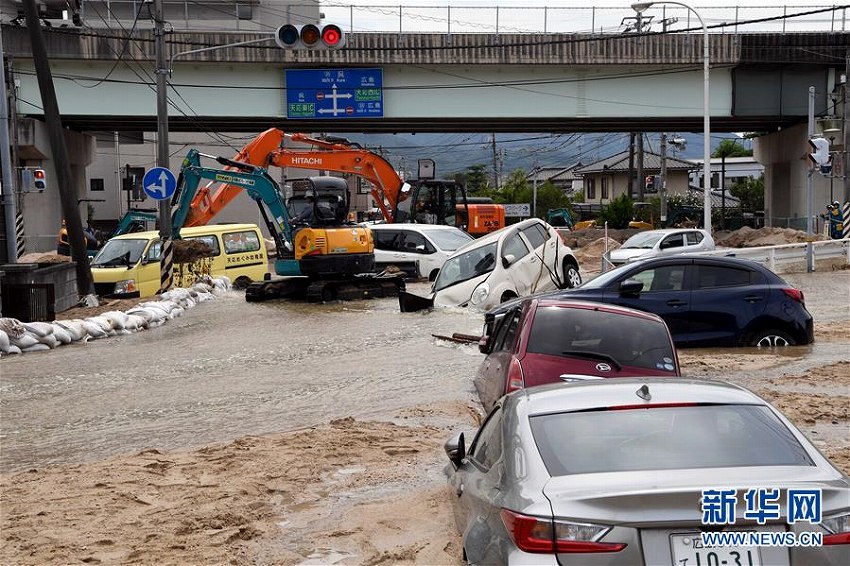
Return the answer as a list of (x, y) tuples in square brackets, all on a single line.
[(94, 330), (39, 329), (5, 344), (25, 340), (49, 340), (37, 347), (12, 327), (12, 350), (117, 319), (74, 328), (62, 335)]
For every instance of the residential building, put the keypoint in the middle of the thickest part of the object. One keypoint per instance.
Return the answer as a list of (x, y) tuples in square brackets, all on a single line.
[(607, 179)]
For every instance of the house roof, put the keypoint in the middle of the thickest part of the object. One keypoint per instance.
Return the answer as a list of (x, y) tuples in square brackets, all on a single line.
[(716, 197), (651, 164), (544, 174)]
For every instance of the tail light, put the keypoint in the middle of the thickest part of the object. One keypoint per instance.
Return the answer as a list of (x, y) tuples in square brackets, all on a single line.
[(839, 528), (794, 294), (540, 535), (515, 379)]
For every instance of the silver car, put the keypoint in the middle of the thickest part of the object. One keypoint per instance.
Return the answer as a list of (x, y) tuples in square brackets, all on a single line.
[(668, 241), (626, 471)]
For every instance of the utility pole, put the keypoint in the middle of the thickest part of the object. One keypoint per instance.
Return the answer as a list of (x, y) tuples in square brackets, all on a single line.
[(845, 124), (495, 163), (6, 163), (534, 191), (631, 189), (810, 259), (663, 188), (166, 259), (56, 134), (641, 177)]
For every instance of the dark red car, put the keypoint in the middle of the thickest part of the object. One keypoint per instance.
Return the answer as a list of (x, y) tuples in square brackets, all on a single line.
[(540, 341)]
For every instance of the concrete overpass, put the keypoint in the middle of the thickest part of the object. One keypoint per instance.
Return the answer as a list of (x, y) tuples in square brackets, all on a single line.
[(456, 83)]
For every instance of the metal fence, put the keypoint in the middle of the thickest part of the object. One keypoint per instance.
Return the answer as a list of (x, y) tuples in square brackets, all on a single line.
[(396, 17), (781, 258)]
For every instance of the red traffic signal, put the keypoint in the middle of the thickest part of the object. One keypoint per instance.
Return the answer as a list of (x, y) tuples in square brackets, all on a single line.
[(39, 179), (310, 36)]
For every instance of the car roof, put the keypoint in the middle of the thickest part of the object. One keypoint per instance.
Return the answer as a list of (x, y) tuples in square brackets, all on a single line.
[(418, 227), (602, 393), (498, 234), (193, 231), (670, 230), (591, 305)]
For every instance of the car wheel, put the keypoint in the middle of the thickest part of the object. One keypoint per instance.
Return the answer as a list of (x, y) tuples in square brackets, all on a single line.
[(572, 277), (771, 338), (242, 282), (507, 296)]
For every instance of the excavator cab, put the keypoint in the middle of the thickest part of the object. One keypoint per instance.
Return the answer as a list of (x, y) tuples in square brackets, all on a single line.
[(319, 201), (434, 201)]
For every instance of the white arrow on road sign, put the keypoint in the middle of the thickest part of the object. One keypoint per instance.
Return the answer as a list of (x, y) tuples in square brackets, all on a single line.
[(334, 96), (159, 183)]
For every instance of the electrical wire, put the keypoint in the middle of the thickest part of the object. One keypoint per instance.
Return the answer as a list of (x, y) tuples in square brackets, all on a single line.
[(121, 54)]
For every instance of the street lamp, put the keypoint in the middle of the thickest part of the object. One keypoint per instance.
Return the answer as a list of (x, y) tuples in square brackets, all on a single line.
[(641, 7)]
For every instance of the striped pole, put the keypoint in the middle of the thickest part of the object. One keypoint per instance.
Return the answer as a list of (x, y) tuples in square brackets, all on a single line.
[(845, 217), (20, 242), (166, 265)]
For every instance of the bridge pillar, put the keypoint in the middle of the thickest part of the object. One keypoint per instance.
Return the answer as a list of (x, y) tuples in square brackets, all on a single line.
[(42, 211), (783, 155)]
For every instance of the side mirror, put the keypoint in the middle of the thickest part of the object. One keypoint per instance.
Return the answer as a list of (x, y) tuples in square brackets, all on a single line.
[(455, 448), (631, 287), (508, 260)]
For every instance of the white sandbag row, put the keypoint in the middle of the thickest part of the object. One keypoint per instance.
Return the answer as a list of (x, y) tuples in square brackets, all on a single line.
[(17, 337)]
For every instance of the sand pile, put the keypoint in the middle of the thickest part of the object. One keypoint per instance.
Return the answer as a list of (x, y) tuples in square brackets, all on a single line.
[(187, 251), (44, 257), (590, 255), (747, 237)]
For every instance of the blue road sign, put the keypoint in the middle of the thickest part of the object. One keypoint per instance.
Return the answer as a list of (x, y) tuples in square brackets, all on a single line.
[(334, 93), (159, 183)]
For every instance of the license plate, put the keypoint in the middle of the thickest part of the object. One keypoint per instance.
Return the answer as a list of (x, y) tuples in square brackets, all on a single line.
[(689, 551)]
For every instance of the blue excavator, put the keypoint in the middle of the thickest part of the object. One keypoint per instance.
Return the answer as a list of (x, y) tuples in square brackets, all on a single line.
[(321, 256)]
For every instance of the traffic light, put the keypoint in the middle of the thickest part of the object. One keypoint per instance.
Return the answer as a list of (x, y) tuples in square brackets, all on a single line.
[(310, 36), (820, 156), (649, 184), (39, 180)]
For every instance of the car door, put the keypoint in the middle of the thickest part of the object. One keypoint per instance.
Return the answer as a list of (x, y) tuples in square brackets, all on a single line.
[(666, 292), (696, 241), (416, 248), (476, 485), (522, 265), (491, 379), (672, 244), (724, 301), (544, 248)]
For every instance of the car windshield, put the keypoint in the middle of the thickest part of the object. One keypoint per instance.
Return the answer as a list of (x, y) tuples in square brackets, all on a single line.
[(644, 240), (665, 438), (467, 265), (581, 333), (448, 240), (119, 253)]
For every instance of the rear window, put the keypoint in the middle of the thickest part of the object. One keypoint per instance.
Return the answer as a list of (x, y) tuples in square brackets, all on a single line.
[(630, 340), (665, 438)]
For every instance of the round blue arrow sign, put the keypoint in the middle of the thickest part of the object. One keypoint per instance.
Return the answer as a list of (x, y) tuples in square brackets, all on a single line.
[(159, 183)]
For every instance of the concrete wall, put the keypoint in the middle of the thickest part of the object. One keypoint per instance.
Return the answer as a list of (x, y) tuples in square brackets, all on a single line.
[(42, 211), (783, 155)]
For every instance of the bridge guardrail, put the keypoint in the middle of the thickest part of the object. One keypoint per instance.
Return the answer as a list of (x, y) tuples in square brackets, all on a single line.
[(775, 257), (391, 16)]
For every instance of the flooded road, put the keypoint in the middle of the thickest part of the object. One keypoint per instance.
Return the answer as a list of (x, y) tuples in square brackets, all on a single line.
[(229, 368), (226, 369)]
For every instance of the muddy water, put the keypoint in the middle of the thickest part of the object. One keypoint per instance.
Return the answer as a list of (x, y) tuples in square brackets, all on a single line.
[(230, 368), (227, 369)]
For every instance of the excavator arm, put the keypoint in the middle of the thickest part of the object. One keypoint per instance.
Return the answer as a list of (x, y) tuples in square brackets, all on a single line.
[(252, 179), (268, 149)]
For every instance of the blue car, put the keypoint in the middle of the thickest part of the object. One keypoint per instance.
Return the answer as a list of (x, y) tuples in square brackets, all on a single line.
[(707, 301)]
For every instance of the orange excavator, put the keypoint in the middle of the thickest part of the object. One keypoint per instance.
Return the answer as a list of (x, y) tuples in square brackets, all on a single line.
[(440, 201)]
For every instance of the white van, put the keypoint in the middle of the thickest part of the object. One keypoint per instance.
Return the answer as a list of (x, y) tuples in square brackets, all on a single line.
[(419, 250), (515, 261)]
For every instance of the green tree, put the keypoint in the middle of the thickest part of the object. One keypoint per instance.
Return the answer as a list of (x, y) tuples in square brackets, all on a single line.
[(548, 197), (475, 179), (618, 213), (731, 148), (516, 189), (750, 192)]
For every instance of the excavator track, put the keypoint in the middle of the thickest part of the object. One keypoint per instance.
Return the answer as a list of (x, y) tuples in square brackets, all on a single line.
[(326, 289)]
